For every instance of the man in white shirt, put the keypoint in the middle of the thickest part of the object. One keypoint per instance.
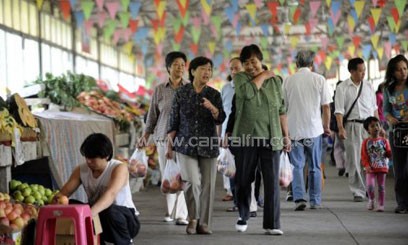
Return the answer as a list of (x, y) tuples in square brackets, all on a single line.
[(353, 131), (307, 98)]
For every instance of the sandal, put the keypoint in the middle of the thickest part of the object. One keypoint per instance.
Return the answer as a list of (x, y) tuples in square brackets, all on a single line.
[(232, 209)]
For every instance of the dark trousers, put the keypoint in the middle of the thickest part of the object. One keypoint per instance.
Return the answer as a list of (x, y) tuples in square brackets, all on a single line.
[(400, 163), (119, 224), (246, 160)]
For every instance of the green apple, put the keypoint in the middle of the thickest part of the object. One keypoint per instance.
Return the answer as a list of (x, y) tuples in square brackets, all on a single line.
[(26, 191), (14, 184), (19, 197), (29, 200), (48, 192)]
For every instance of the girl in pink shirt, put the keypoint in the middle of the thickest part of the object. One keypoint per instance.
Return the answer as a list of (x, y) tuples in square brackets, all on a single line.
[(375, 152)]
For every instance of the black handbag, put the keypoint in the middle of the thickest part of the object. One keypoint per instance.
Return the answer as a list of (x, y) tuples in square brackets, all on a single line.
[(400, 133)]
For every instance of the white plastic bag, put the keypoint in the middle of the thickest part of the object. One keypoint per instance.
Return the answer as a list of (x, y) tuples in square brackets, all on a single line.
[(171, 181), (138, 164), (285, 170), (226, 163)]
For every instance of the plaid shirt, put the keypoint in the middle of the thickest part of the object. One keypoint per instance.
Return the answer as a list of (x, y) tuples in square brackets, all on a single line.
[(159, 111)]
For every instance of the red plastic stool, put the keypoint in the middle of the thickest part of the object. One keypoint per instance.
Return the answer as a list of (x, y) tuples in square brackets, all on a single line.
[(80, 214)]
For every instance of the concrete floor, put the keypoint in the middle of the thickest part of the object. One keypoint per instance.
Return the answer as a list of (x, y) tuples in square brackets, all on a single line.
[(340, 221)]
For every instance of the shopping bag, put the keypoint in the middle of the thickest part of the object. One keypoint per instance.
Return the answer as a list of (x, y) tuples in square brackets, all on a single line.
[(138, 164), (226, 163), (285, 170), (171, 181), (400, 133)]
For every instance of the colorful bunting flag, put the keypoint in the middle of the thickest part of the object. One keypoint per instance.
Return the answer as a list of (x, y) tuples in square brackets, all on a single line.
[(314, 6), (134, 8), (251, 8), (374, 40), (39, 4), (125, 4), (99, 4), (359, 6), (182, 5), (124, 18), (65, 9), (376, 13), (400, 4), (112, 9), (207, 6)]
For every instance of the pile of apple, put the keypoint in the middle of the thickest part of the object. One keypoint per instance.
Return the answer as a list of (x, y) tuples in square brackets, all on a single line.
[(15, 215), (31, 194)]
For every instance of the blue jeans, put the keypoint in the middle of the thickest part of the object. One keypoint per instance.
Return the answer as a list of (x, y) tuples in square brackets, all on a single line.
[(312, 149)]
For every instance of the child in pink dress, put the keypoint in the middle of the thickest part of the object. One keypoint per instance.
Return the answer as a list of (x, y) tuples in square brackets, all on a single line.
[(375, 152)]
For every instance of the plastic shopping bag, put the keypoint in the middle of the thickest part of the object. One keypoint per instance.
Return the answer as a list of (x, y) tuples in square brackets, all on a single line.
[(285, 170), (226, 163), (138, 164), (171, 181)]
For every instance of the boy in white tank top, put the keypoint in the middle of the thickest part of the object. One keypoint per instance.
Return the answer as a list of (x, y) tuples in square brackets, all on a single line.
[(106, 183)]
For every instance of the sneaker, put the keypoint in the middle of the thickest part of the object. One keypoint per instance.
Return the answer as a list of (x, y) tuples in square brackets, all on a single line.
[(300, 206), (400, 210), (380, 208), (315, 206), (357, 199), (370, 205), (168, 219), (203, 230), (289, 196), (241, 225), (252, 214), (275, 232), (181, 221)]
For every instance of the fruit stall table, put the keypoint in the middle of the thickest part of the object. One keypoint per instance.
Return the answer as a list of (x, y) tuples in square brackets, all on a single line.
[(62, 134)]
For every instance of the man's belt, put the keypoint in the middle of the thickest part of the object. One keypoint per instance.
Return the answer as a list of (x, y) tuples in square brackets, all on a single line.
[(356, 120)]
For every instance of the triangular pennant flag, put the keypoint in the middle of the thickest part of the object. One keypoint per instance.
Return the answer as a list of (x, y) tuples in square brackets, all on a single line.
[(376, 13), (351, 50), (176, 23), (88, 26), (99, 4), (211, 47), (400, 4), (73, 3), (314, 6), (393, 38), (251, 8), (359, 6), (39, 4), (391, 23), (328, 62), (112, 9), (205, 17), (336, 7), (217, 21), (87, 7), (395, 14), (109, 29), (101, 19), (160, 9), (238, 28), (264, 42), (404, 44), (175, 46), (281, 2), (356, 41), (374, 40), (133, 25), (265, 29), (194, 48), (294, 40), (116, 36), (206, 6), (65, 9), (328, 2), (371, 24), (134, 8), (178, 37), (214, 32), (125, 5), (366, 51), (335, 17), (185, 19), (397, 26), (126, 33), (196, 22), (296, 15), (380, 52), (182, 5), (195, 33), (340, 41), (124, 18), (330, 25), (79, 18), (141, 34)]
